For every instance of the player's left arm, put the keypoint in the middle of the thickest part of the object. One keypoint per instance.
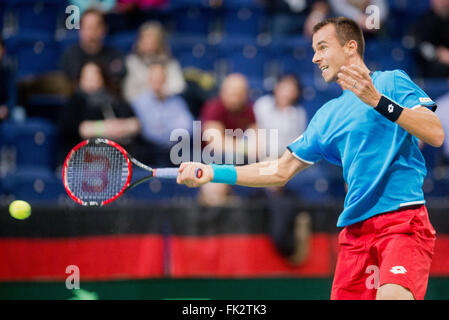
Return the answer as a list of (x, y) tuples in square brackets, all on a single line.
[(420, 121)]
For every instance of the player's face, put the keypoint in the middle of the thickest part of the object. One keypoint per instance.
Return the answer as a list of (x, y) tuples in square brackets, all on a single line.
[(329, 55)]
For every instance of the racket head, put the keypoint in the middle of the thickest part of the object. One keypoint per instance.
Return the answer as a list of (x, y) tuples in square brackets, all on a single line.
[(96, 172)]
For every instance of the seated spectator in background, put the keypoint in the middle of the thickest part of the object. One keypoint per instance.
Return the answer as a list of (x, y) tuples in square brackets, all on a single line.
[(432, 40), (281, 111), (93, 111), (289, 229), (91, 47), (6, 83), (159, 115), (149, 47), (293, 17), (356, 10), (230, 110)]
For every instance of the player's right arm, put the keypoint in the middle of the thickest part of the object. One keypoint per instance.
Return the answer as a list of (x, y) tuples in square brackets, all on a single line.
[(261, 174)]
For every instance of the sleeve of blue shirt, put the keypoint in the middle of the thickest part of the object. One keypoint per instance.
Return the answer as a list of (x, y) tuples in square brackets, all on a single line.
[(409, 95), (307, 146)]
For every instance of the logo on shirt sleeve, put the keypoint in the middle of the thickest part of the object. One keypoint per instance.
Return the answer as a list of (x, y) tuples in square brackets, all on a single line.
[(425, 100)]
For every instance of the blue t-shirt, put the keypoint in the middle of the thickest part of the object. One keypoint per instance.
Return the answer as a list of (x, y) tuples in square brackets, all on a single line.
[(382, 164)]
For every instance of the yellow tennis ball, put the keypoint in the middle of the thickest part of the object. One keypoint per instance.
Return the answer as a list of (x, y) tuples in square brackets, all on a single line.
[(20, 209)]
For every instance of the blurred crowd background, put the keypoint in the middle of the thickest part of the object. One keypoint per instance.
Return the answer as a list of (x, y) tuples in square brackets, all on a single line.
[(134, 71)]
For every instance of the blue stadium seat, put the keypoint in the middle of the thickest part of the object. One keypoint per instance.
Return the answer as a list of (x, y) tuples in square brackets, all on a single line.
[(389, 55), (189, 19), (123, 41), (244, 55), (244, 20), (69, 39), (38, 15), (193, 52), (403, 16), (318, 184), (35, 142), (36, 185), (36, 53), (293, 55), (409, 6)]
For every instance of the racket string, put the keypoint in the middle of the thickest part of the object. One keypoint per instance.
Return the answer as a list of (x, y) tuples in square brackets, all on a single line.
[(97, 172)]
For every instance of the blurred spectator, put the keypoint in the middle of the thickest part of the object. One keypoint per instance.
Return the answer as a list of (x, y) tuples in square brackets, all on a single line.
[(432, 38), (149, 47), (289, 229), (357, 10), (159, 115), (93, 111), (91, 47), (230, 110), (293, 17), (6, 83), (101, 5), (281, 111)]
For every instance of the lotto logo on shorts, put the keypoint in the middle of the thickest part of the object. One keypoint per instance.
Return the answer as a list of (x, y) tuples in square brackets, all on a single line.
[(398, 270)]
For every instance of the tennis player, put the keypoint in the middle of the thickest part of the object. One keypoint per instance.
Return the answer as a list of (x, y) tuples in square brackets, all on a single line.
[(371, 130)]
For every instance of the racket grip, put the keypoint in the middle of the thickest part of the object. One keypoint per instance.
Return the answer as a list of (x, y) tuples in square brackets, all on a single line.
[(166, 173), (198, 173)]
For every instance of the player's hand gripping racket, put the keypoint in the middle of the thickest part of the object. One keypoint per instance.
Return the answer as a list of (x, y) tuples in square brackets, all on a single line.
[(98, 171)]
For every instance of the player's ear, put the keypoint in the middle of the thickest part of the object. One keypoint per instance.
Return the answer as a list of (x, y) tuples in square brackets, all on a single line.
[(351, 47)]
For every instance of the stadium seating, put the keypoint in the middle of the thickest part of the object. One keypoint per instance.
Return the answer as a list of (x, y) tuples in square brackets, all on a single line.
[(244, 55), (293, 55), (38, 15), (123, 41), (389, 55), (192, 25), (35, 142), (243, 20), (319, 184), (35, 184), (191, 19), (34, 52), (194, 51)]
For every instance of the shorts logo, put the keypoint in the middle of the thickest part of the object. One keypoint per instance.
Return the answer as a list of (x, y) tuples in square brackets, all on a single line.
[(398, 270)]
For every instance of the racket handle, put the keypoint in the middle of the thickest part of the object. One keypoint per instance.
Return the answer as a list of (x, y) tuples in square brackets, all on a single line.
[(166, 173), (172, 173)]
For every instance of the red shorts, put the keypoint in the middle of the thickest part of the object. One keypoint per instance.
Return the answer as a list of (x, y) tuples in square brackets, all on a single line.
[(394, 247)]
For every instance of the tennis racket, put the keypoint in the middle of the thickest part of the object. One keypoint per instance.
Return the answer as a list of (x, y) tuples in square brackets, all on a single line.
[(98, 171)]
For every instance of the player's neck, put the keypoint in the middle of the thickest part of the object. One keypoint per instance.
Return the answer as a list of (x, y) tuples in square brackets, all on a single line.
[(358, 62)]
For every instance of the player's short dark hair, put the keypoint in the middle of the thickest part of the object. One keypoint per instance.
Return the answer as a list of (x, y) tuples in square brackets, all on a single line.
[(346, 29), (94, 11)]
